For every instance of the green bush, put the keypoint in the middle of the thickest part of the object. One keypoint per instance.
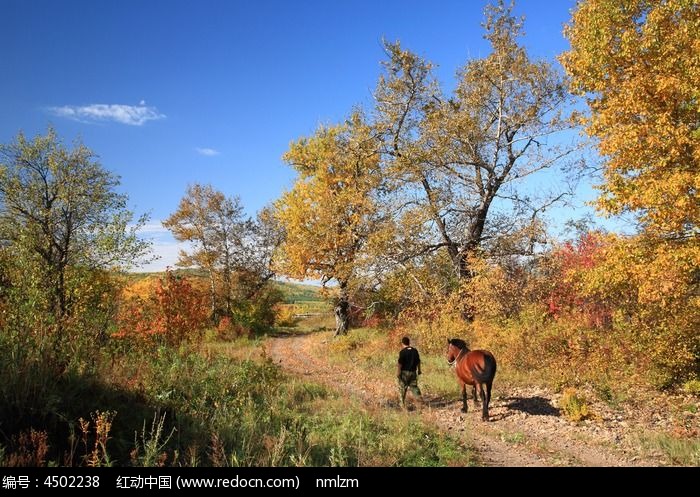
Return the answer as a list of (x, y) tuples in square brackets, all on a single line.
[(574, 406)]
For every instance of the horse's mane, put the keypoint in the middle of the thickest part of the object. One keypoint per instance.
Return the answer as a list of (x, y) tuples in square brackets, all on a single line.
[(459, 343)]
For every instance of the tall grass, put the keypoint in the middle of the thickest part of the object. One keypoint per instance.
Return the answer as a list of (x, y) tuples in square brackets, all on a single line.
[(192, 406), (681, 451)]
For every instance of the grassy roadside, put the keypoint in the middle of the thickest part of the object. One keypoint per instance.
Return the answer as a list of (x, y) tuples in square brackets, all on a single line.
[(329, 428), (373, 351), (218, 404)]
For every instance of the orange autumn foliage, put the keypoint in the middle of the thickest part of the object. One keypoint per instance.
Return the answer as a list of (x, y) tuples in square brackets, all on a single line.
[(171, 310), (636, 62)]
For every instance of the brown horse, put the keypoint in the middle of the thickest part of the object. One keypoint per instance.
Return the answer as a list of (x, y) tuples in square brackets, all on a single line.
[(476, 368)]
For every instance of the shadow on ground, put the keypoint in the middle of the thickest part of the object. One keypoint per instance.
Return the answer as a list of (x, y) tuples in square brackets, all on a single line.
[(534, 406), (438, 402)]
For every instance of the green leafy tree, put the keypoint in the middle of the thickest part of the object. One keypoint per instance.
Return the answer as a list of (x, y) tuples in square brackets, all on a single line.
[(61, 216), (233, 249)]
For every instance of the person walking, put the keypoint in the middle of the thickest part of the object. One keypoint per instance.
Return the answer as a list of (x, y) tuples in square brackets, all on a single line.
[(408, 370)]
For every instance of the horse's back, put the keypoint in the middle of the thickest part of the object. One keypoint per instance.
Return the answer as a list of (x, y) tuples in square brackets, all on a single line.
[(482, 365)]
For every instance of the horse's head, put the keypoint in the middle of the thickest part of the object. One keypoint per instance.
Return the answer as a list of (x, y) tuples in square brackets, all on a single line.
[(455, 346)]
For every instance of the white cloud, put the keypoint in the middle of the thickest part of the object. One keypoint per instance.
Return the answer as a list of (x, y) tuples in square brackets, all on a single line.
[(164, 246), (209, 152), (167, 253), (133, 115), (153, 228)]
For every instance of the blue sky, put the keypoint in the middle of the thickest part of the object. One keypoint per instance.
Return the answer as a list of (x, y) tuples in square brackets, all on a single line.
[(171, 92)]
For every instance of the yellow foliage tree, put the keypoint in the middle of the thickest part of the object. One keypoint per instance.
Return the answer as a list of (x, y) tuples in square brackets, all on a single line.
[(461, 161), (651, 287), (638, 62), (331, 211)]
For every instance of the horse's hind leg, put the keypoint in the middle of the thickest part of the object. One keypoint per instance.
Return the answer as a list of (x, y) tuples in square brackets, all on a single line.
[(474, 396), (488, 392), (464, 398), (484, 401)]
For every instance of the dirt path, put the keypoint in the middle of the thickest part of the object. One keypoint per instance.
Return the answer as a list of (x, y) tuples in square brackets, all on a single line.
[(526, 429)]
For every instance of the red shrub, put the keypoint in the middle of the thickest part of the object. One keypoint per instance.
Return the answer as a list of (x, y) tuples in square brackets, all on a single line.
[(571, 262), (173, 311)]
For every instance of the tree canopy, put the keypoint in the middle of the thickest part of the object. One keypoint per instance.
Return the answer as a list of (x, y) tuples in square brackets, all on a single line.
[(459, 162), (234, 249), (638, 64), (60, 213), (331, 211)]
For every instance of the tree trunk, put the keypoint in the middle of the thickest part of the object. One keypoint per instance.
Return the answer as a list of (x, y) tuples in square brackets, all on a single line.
[(460, 258), (61, 304), (465, 273), (460, 264), (342, 311), (212, 296), (228, 301)]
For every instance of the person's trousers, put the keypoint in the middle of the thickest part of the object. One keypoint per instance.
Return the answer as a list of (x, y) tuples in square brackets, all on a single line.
[(408, 379)]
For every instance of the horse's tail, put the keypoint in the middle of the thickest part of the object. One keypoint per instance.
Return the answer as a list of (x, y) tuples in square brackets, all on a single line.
[(488, 372)]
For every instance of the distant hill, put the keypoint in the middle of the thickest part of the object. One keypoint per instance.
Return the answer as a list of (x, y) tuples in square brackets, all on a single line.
[(292, 292), (298, 292), (189, 273)]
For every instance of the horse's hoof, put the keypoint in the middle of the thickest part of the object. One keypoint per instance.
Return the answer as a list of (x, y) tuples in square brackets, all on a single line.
[(485, 419), (464, 409)]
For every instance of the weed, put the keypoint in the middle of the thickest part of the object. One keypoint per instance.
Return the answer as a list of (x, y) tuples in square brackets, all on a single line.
[(95, 437), (692, 387), (515, 438), (149, 447), (682, 451), (31, 450), (573, 406)]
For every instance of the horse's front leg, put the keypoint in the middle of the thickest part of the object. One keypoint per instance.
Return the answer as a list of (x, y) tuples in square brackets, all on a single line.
[(464, 397), (474, 396)]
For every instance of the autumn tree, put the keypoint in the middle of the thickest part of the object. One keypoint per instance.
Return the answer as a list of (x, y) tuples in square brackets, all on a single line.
[(460, 164), (61, 217), (233, 249), (213, 224), (260, 245), (637, 62), (331, 211)]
